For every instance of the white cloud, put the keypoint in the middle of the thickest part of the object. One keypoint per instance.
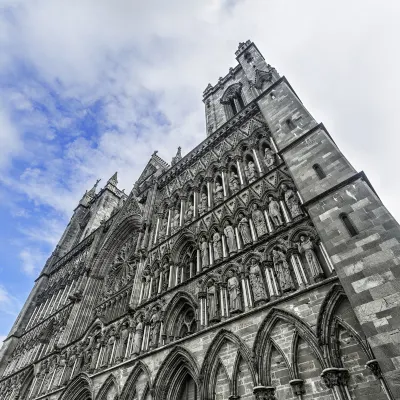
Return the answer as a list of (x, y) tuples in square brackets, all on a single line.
[(141, 60), (8, 303), (32, 261)]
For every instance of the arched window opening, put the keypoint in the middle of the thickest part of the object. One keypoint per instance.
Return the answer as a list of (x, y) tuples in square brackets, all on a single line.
[(188, 390), (319, 171), (233, 106), (351, 229)]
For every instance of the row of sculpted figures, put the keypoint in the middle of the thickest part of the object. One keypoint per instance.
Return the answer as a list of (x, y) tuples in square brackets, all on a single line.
[(288, 262), (221, 181), (284, 355)]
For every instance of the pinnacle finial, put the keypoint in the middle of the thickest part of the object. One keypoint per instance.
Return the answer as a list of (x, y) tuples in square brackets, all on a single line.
[(114, 179)]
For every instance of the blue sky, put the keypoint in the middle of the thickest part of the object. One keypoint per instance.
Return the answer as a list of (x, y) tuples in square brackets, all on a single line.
[(91, 87)]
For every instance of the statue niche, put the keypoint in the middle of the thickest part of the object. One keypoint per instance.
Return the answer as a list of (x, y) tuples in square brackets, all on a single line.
[(123, 269)]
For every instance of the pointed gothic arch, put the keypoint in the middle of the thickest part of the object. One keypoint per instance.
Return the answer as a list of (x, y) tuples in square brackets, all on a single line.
[(130, 385), (109, 383), (232, 99), (79, 388), (26, 384), (176, 315), (262, 341), (208, 369), (173, 372)]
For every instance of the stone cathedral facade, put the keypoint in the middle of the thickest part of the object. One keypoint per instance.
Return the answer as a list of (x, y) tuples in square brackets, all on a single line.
[(261, 266)]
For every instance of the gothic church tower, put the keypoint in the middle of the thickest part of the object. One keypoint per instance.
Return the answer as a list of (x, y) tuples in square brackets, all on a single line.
[(260, 265)]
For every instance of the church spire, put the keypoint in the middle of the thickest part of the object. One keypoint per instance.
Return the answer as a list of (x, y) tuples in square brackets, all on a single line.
[(178, 156)]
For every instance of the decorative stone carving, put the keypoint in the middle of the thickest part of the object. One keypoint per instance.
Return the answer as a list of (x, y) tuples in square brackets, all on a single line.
[(251, 172), (259, 221), (212, 303), (274, 211), (306, 247), (217, 246), (203, 204), (218, 193), (163, 228), (189, 212), (108, 350), (233, 287), (137, 339), (256, 281), (123, 341), (292, 201), (297, 386), (95, 354), (282, 271), (175, 220), (269, 158), (244, 229), (122, 270), (233, 182), (204, 252), (155, 326), (264, 393), (375, 368), (230, 238)]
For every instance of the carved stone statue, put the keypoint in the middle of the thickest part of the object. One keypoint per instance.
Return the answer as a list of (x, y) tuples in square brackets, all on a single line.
[(212, 303), (137, 339), (108, 350), (251, 172), (306, 247), (275, 212), (230, 238), (204, 252), (156, 281), (217, 246), (203, 204), (155, 325), (218, 192), (292, 201), (234, 293), (259, 221), (95, 354), (175, 220), (189, 212), (163, 228), (123, 341), (244, 229), (233, 182), (269, 158), (282, 271), (256, 281)]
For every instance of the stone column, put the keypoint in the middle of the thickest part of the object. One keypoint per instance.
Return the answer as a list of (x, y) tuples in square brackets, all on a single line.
[(202, 300), (326, 257), (198, 261), (209, 192), (222, 293), (160, 282), (239, 167), (183, 209), (224, 247), (297, 272), (269, 224), (195, 202), (245, 294), (238, 242), (171, 276), (284, 211), (142, 290), (169, 222), (257, 162), (272, 284), (252, 230), (224, 182)]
